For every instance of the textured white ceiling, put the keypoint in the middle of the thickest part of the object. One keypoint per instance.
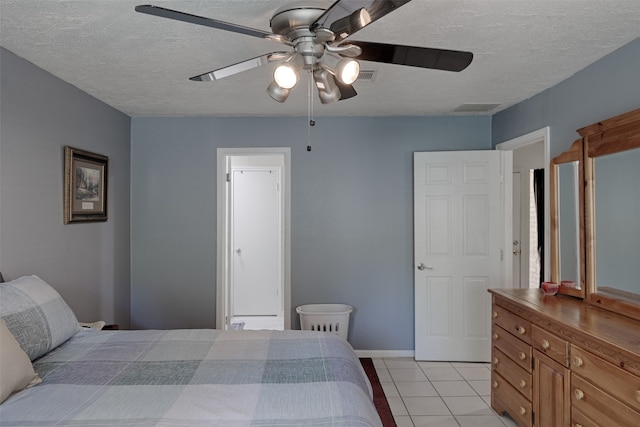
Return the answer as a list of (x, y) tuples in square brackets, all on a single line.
[(140, 64)]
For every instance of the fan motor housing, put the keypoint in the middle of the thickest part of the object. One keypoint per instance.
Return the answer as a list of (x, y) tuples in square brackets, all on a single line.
[(294, 19)]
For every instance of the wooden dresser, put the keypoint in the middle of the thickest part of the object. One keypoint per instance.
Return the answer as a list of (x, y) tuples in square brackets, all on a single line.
[(557, 361)]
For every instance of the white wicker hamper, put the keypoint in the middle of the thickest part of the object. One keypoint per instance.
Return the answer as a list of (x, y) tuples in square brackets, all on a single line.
[(326, 318)]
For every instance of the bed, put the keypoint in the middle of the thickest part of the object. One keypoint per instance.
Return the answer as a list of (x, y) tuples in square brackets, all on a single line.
[(200, 377)]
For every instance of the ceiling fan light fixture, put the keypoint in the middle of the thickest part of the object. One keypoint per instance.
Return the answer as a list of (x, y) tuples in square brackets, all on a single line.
[(285, 76), (328, 90), (277, 92), (287, 73), (346, 70)]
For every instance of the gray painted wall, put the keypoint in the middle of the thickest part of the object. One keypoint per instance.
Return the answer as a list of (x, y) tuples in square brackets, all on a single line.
[(88, 264), (351, 208), (606, 88)]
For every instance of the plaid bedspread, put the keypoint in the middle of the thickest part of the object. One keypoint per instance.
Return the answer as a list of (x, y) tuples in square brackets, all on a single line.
[(196, 378)]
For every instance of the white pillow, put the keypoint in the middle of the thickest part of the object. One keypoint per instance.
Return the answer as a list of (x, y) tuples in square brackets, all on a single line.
[(16, 371)]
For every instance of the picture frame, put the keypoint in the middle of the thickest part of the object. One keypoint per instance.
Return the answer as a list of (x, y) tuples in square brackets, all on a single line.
[(86, 180)]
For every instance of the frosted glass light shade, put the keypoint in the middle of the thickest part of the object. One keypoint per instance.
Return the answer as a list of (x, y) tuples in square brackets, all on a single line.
[(347, 71), (285, 76)]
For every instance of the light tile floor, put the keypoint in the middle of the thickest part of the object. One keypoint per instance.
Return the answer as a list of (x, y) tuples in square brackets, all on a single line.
[(439, 394)]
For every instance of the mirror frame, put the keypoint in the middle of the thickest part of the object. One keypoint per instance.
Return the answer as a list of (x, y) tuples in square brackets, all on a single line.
[(614, 135), (573, 154)]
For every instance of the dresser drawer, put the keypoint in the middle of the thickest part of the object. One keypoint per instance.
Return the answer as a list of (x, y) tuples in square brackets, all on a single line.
[(600, 407), (578, 419), (517, 350), (608, 377), (512, 323), (519, 378), (552, 346), (505, 398)]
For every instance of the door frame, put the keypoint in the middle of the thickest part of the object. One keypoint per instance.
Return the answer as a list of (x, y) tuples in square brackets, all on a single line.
[(541, 135), (223, 248), (516, 221)]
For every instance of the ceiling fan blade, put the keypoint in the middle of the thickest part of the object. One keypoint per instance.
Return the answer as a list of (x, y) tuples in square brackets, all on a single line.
[(425, 57), (345, 17), (207, 22), (247, 65), (346, 91)]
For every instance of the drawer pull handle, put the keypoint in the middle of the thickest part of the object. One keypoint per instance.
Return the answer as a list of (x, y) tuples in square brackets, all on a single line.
[(521, 330), (577, 360), (496, 360), (522, 356), (496, 336), (545, 344), (579, 394), (522, 410), (494, 314), (494, 384), (638, 396), (523, 383)]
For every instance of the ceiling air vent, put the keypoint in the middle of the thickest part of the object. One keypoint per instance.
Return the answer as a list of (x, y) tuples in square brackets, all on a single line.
[(367, 75), (475, 108)]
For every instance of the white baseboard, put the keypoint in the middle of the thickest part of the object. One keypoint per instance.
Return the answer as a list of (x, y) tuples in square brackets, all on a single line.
[(385, 353)]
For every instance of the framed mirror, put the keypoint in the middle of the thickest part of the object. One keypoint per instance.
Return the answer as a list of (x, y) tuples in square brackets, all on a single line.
[(612, 207), (567, 221)]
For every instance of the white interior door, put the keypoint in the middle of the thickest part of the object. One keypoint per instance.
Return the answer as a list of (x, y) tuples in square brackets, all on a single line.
[(458, 235), (256, 239)]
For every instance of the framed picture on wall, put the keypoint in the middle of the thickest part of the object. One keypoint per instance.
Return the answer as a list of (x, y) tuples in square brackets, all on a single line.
[(86, 176)]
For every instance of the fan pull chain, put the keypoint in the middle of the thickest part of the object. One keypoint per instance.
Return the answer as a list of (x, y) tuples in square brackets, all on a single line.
[(312, 122)]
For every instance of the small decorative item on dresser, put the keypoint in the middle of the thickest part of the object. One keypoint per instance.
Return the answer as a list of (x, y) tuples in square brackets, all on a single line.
[(549, 288)]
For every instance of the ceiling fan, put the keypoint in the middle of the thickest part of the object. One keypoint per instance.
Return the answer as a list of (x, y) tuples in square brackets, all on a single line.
[(317, 34)]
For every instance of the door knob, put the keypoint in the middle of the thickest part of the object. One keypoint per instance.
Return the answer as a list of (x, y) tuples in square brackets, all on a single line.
[(238, 251), (421, 267)]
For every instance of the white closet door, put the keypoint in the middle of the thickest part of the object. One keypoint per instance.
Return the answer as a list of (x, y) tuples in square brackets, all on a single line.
[(256, 242)]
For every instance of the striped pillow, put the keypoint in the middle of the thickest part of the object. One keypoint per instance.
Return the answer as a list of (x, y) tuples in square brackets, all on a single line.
[(36, 315)]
